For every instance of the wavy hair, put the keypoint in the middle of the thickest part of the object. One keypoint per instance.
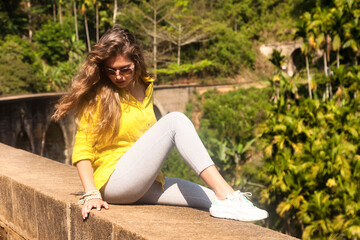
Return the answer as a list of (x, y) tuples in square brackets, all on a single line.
[(92, 85)]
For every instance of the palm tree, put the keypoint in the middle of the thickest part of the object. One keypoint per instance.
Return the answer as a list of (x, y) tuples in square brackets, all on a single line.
[(60, 11), (83, 11), (352, 27), (28, 5), (337, 32), (352, 35), (96, 3), (321, 27), (303, 31), (115, 11), (75, 21)]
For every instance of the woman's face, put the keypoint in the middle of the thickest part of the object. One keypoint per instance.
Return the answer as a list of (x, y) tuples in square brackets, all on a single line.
[(120, 70)]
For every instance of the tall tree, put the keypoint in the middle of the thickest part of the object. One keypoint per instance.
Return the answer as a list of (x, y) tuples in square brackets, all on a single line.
[(304, 32), (28, 5), (75, 21), (97, 4), (337, 31), (115, 12), (83, 11), (322, 28), (60, 11), (148, 16), (184, 28), (54, 10), (352, 27)]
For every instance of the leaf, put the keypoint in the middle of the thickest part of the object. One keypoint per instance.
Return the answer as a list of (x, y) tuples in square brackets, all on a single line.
[(336, 43), (331, 183), (280, 128), (352, 131), (308, 231), (354, 231), (222, 151), (268, 150), (248, 145), (282, 208)]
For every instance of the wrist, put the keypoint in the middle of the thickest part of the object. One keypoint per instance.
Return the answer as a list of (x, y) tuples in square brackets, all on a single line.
[(94, 194), (90, 189)]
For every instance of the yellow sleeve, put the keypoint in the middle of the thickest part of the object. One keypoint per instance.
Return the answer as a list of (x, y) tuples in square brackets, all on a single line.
[(85, 141)]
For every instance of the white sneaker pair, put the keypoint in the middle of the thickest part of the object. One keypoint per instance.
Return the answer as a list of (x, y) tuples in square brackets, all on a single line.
[(238, 207)]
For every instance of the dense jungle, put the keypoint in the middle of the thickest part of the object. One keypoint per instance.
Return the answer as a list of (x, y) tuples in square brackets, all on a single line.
[(294, 142)]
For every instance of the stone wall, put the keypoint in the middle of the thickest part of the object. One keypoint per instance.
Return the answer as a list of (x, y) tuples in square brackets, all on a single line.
[(38, 201)]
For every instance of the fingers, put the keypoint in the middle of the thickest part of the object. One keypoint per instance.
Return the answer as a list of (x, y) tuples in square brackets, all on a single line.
[(86, 209), (96, 203), (105, 205)]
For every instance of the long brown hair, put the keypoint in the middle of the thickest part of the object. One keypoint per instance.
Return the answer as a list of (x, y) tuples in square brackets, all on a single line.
[(92, 85)]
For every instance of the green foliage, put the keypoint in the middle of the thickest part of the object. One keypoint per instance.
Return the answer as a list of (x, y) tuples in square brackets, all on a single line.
[(12, 18), (18, 64), (277, 59), (267, 19), (23, 71), (229, 50), (58, 78), (227, 127), (187, 69), (17, 77), (175, 166), (312, 164), (54, 40), (18, 48)]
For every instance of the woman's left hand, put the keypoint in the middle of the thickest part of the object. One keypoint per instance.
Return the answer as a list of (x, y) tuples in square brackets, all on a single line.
[(93, 203)]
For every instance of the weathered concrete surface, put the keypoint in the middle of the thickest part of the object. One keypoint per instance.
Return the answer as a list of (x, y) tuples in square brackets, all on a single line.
[(38, 201)]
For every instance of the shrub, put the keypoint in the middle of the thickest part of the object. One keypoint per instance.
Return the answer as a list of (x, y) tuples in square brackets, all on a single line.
[(312, 164), (54, 41)]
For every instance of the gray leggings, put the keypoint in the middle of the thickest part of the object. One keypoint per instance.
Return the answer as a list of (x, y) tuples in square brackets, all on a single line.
[(133, 180)]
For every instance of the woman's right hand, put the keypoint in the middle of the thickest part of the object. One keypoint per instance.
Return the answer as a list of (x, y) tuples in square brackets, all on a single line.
[(93, 203)]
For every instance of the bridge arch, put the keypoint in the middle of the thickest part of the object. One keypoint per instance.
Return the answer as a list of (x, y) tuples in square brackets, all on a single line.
[(298, 59), (158, 109), (23, 141), (54, 143)]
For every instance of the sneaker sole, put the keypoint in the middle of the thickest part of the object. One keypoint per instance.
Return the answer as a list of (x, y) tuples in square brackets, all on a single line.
[(218, 213)]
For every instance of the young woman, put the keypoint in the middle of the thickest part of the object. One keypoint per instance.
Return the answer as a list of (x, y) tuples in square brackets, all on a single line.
[(120, 148)]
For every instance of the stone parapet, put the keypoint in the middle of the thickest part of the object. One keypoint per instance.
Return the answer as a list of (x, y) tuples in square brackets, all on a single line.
[(38, 200)]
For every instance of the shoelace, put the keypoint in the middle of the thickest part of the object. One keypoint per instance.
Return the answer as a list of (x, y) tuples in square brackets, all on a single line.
[(240, 196)]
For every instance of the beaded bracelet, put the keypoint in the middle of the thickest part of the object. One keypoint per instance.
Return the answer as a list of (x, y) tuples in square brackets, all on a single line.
[(95, 194)]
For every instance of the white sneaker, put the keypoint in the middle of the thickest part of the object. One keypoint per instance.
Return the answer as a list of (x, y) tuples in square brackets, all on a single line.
[(238, 207)]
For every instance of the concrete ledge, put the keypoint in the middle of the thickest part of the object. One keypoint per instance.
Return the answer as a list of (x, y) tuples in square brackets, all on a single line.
[(38, 201)]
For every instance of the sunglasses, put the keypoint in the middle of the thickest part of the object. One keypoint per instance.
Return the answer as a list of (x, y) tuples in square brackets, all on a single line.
[(125, 71)]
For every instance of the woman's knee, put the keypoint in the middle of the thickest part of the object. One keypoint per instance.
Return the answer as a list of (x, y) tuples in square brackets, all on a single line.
[(175, 115), (178, 119)]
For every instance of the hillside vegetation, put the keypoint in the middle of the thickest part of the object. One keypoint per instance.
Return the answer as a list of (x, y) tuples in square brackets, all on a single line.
[(204, 41)]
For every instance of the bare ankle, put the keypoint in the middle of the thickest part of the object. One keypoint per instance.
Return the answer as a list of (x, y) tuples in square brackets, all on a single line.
[(222, 194)]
